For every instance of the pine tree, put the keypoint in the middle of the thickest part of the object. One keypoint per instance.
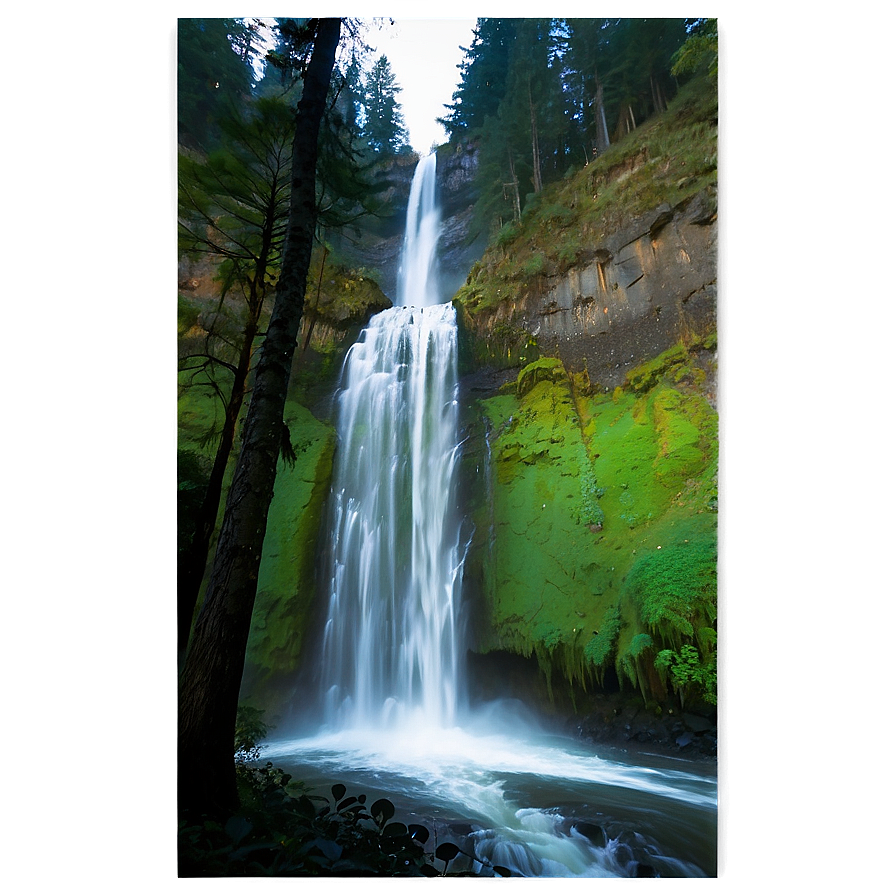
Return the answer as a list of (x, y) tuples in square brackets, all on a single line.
[(210, 680), (384, 127), (483, 77), (232, 208)]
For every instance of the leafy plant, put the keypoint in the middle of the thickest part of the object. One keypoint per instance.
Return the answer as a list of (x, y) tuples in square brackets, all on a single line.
[(283, 830), (249, 732), (690, 675)]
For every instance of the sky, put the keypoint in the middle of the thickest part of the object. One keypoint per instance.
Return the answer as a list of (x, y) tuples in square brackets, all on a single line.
[(424, 55)]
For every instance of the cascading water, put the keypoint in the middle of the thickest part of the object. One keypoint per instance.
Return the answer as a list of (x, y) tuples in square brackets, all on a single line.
[(391, 643), (395, 721)]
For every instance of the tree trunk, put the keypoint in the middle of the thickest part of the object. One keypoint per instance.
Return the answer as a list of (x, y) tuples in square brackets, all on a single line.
[(600, 118), (536, 155), (313, 316), (516, 188), (192, 570), (656, 92), (210, 681)]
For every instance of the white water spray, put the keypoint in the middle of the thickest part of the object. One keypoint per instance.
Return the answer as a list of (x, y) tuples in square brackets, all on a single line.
[(391, 645)]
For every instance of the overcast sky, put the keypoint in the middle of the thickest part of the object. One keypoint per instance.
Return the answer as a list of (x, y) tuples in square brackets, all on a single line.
[(424, 55)]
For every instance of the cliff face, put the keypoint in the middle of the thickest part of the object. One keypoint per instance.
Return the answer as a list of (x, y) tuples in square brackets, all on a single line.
[(458, 251), (595, 524), (636, 293)]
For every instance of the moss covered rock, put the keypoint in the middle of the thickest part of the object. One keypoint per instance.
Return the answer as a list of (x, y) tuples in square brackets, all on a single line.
[(602, 532), (286, 578)]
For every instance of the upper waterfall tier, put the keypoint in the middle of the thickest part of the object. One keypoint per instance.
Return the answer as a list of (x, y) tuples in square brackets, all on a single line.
[(418, 277)]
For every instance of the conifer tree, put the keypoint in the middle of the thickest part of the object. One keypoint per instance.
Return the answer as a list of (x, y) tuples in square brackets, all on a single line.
[(210, 680), (232, 209), (211, 75), (384, 127), (483, 77)]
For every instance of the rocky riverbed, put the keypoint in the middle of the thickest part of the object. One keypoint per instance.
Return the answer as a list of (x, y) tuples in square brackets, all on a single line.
[(625, 722)]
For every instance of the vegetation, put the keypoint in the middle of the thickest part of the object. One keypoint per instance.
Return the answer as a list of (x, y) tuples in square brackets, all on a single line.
[(669, 159), (384, 129), (602, 524), (602, 507), (233, 206), (210, 680), (544, 96), (280, 828)]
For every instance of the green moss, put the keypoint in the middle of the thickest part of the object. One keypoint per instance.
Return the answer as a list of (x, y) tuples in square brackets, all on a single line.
[(647, 375), (583, 490), (544, 369), (286, 577), (674, 586), (600, 649)]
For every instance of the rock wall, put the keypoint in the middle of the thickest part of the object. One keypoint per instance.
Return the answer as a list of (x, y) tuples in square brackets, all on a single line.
[(594, 522), (459, 248), (634, 295), (286, 579)]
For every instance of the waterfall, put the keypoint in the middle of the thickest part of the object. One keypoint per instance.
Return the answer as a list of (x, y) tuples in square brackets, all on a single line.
[(418, 277), (395, 715), (391, 644)]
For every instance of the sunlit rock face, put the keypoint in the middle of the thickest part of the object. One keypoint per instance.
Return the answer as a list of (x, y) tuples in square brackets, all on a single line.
[(638, 292)]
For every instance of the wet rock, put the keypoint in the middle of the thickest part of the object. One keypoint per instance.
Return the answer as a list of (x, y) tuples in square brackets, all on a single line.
[(642, 870), (594, 832), (696, 723)]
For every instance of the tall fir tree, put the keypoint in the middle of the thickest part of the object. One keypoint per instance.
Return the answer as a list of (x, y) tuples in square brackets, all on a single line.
[(483, 77), (384, 128), (210, 680), (232, 210)]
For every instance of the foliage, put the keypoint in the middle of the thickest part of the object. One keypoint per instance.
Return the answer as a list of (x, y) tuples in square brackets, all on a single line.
[(547, 634), (282, 830), (691, 676), (700, 50), (187, 315), (538, 94), (249, 732), (483, 76), (212, 74), (669, 159), (628, 661), (384, 128), (674, 589)]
